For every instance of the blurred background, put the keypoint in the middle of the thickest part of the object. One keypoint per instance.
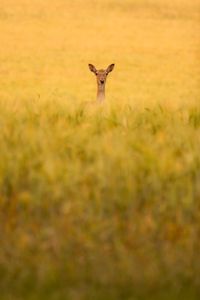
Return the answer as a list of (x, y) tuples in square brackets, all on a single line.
[(48, 44)]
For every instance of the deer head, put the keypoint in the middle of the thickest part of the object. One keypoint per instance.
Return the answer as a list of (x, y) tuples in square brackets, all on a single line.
[(101, 76)]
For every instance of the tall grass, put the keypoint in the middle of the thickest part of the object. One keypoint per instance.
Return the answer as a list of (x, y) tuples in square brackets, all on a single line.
[(100, 205)]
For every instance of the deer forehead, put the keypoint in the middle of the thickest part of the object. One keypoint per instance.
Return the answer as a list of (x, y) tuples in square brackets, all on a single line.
[(101, 72)]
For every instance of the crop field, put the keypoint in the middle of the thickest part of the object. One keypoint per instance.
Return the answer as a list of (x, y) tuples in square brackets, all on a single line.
[(99, 201)]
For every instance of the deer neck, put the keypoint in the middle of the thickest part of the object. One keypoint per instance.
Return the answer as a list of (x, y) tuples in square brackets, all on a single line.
[(100, 92)]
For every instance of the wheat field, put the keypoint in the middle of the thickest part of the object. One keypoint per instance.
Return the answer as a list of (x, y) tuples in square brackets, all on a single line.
[(99, 201)]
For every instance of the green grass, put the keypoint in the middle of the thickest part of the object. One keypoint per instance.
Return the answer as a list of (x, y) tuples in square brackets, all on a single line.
[(99, 201), (99, 206)]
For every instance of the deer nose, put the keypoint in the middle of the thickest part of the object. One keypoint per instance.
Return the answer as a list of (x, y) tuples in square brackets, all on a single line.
[(102, 81)]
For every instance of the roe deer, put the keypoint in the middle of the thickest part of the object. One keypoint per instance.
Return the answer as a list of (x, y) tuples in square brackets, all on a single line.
[(101, 76)]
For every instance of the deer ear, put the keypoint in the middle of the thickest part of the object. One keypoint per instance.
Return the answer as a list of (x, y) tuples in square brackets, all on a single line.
[(92, 68), (110, 68)]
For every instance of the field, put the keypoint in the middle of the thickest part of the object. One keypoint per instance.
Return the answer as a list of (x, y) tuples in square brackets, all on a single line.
[(100, 201)]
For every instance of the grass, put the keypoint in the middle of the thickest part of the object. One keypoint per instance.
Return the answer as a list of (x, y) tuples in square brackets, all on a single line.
[(99, 202)]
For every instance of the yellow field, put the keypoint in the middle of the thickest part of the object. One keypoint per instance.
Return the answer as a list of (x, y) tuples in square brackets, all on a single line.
[(103, 201), (46, 46)]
